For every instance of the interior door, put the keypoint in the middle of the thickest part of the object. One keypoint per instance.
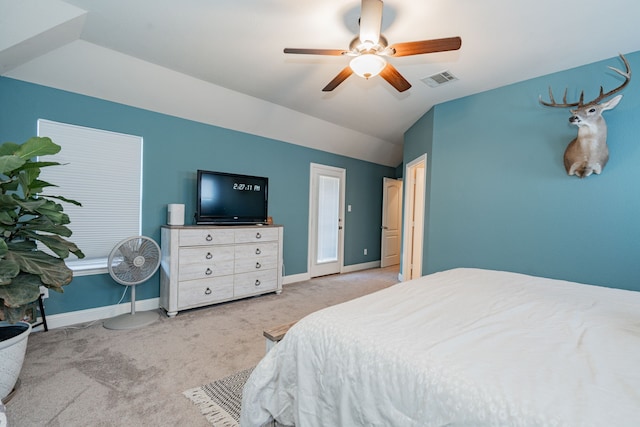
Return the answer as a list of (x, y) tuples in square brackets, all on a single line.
[(326, 228), (391, 222), (414, 209)]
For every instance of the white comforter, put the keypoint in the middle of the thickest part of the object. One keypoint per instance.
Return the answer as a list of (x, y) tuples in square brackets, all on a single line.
[(464, 347)]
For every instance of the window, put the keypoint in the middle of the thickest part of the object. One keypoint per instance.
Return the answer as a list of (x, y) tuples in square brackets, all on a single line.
[(103, 171), (328, 218)]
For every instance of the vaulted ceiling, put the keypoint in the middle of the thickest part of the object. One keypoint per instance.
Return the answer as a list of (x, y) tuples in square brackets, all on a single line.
[(222, 62)]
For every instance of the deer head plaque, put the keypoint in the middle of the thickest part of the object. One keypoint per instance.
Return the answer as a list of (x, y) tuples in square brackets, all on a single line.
[(588, 152)]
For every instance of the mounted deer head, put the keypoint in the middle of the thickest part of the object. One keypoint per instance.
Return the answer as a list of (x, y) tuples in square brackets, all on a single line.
[(588, 152)]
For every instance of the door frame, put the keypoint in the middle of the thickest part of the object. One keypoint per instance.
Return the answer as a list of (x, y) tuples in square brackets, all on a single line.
[(410, 239), (316, 168)]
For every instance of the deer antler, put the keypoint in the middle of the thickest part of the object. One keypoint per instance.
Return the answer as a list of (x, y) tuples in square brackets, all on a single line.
[(580, 103), (564, 104), (627, 79)]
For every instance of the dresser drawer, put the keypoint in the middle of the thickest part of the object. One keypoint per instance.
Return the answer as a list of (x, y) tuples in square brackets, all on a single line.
[(256, 250), (205, 291), (195, 271), (255, 282), (246, 265), (205, 255), (205, 261), (256, 235), (206, 236)]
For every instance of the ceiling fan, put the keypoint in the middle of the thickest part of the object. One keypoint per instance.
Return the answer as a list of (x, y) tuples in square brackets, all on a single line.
[(370, 48)]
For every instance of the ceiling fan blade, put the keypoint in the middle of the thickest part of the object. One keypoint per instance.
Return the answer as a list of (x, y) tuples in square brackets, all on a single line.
[(427, 46), (370, 21), (331, 52), (342, 76), (393, 76)]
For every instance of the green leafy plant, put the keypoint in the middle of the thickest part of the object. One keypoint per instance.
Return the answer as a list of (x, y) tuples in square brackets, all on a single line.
[(28, 216)]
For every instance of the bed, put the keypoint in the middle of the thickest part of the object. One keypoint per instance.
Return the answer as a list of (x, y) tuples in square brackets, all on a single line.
[(463, 347)]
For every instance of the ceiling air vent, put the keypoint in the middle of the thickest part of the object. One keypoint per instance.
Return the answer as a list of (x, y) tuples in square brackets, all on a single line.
[(439, 79)]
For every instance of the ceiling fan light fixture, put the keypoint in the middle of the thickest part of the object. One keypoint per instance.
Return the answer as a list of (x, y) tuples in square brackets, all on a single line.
[(369, 49), (368, 65)]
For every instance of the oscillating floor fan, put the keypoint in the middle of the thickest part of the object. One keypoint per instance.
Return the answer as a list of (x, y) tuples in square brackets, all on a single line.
[(131, 262)]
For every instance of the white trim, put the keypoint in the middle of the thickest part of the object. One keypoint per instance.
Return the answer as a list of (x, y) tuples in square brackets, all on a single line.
[(63, 320), (92, 314), (88, 267), (359, 267), (303, 277), (295, 278)]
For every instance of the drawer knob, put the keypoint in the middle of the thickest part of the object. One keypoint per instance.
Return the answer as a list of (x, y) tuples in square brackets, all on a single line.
[(208, 238), (208, 272), (258, 236), (207, 291), (257, 283), (258, 265), (258, 252), (209, 256)]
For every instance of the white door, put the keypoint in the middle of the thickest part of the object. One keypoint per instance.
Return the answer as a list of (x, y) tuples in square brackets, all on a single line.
[(326, 213), (391, 222), (414, 207)]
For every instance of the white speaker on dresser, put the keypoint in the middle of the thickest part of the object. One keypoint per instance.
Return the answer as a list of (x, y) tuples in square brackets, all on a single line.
[(175, 214)]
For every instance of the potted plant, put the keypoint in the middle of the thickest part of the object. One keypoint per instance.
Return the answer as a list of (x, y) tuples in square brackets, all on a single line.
[(28, 217)]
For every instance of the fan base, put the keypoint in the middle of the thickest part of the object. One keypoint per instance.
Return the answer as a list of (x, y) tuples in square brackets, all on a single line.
[(131, 321)]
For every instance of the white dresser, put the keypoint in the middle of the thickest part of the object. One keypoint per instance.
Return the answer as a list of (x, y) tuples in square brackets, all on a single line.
[(203, 265)]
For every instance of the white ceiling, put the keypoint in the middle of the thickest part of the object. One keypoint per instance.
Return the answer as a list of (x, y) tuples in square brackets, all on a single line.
[(221, 61)]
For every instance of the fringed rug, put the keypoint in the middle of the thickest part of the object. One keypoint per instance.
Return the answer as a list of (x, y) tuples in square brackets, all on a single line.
[(220, 401)]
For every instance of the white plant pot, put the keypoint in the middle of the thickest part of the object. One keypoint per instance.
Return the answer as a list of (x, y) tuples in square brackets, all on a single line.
[(12, 353)]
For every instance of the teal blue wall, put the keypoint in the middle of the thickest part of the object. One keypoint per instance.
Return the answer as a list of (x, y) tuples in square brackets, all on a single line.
[(500, 197), (399, 170), (174, 149)]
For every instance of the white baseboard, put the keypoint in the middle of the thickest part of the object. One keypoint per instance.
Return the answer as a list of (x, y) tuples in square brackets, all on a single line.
[(63, 320), (294, 278), (358, 267)]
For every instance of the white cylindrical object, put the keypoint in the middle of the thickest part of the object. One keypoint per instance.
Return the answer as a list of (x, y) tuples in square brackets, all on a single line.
[(175, 214)]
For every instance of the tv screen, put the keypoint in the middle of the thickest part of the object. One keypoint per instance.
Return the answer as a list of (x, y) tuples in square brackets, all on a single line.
[(226, 198)]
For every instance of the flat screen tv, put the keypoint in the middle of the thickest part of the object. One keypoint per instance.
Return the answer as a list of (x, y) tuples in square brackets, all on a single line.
[(227, 198)]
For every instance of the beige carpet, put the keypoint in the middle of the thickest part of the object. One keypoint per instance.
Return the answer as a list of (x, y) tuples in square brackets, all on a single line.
[(99, 377)]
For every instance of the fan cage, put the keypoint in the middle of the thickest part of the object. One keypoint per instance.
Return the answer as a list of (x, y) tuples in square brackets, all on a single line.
[(134, 260)]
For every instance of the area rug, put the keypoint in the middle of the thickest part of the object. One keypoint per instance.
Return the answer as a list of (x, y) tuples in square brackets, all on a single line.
[(220, 401)]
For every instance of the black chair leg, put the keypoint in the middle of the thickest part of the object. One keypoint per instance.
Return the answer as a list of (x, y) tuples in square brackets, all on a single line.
[(44, 317)]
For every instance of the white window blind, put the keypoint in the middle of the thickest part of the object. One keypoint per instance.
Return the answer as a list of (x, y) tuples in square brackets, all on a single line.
[(328, 217), (103, 171)]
